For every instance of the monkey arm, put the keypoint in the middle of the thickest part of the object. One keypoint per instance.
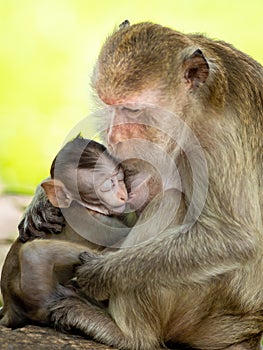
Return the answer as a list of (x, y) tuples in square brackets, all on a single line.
[(172, 257), (41, 218)]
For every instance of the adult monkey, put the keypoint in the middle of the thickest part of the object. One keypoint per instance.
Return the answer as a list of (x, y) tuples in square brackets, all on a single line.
[(201, 287)]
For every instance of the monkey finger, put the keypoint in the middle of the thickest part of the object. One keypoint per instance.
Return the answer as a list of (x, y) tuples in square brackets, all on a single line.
[(87, 257), (23, 233), (29, 231), (50, 215), (52, 228), (57, 219)]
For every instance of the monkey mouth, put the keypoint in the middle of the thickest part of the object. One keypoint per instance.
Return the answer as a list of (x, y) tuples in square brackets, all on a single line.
[(117, 210), (135, 202), (132, 197)]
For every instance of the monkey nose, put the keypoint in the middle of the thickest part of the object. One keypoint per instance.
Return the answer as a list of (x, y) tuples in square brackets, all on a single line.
[(123, 196), (118, 133)]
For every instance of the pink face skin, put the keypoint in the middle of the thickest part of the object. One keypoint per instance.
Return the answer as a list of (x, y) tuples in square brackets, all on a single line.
[(113, 193), (107, 192)]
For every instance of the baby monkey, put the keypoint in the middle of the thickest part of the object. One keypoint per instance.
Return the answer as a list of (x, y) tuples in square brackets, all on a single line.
[(85, 172), (89, 184)]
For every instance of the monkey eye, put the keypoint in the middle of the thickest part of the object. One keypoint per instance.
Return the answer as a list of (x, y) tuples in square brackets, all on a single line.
[(120, 176), (133, 112), (107, 185)]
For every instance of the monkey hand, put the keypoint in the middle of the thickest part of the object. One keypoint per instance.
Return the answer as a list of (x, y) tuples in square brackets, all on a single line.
[(40, 219), (91, 276)]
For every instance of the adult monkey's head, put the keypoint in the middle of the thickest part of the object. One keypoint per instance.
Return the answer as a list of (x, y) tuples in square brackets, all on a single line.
[(147, 74)]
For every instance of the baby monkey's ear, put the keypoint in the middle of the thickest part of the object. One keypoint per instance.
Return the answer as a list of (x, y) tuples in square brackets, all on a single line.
[(57, 193)]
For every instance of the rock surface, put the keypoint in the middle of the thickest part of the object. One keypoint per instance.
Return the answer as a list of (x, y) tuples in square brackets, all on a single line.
[(42, 338)]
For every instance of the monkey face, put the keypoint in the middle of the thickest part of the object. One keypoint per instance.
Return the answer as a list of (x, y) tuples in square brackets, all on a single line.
[(112, 192)]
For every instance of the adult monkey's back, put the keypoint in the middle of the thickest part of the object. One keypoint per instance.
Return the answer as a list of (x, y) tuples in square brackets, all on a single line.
[(203, 286)]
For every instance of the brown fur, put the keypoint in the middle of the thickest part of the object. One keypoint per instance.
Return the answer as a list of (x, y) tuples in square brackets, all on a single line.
[(202, 286), (199, 285)]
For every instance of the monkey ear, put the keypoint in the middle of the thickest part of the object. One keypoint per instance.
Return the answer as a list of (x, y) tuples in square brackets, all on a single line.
[(57, 193), (124, 24), (196, 69)]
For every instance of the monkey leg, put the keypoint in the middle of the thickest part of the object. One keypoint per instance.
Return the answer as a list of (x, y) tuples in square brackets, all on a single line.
[(232, 332), (44, 264), (252, 344), (74, 313), (136, 313)]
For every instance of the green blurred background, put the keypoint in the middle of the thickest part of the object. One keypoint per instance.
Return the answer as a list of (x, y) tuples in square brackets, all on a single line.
[(47, 51)]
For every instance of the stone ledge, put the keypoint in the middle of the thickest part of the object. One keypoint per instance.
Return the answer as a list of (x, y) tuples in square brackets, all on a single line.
[(43, 338)]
